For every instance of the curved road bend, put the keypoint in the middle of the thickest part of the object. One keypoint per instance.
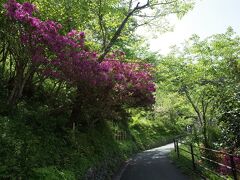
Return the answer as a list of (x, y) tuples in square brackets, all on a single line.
[(152, 164)]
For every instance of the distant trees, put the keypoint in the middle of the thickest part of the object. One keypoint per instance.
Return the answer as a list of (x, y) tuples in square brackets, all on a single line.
[(206, 74)]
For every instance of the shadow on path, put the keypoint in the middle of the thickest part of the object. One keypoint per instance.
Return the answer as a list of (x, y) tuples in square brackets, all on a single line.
[(152, 164)]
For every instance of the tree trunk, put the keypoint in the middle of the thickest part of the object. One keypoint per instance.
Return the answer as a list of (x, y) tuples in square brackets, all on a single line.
[(205, 136), (77, 115), (4, 53), (20, 81), (16, 91)]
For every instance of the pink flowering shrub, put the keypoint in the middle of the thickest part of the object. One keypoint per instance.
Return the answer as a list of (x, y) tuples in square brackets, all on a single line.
[(65, 57), (225, 159)]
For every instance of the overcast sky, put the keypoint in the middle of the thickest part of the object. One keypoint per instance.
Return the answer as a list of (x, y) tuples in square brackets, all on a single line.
[(208, 17)]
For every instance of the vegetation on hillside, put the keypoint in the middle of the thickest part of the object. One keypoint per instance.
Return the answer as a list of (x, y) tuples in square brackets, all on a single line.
[(71, 80), (74, 75)]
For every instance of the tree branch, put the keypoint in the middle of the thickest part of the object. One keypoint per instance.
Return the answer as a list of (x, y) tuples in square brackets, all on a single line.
[(120, 28), (164, 3), (193, 105), (101, 24)]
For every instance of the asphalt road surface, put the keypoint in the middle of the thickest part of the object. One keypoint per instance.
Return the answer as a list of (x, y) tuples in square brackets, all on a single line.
[(152, 164)]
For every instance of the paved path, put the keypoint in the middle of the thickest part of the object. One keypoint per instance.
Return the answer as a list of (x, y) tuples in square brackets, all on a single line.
[(152, 165)]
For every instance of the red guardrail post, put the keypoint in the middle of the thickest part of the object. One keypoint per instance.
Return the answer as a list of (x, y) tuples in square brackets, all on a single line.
[(233, 167)]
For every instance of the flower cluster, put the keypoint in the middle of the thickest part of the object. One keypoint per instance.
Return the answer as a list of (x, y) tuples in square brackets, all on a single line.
[(225, 159), (65, 57), (133, 81), (19, 11)]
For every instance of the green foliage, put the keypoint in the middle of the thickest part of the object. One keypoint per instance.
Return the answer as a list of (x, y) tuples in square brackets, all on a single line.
[(198, 87), (172, 110), (100, 19), (147, 132), (34, 140), (51, 173), (205, 75), (34, 144)]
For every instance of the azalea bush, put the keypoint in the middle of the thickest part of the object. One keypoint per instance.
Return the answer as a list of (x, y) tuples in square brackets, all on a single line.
[(226, 160), (102, 86)]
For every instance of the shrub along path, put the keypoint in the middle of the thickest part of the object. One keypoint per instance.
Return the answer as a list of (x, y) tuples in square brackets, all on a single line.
[(152, 164)]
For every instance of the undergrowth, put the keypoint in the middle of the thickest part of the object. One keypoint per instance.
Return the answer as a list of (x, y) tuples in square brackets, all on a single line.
[(34, 146)]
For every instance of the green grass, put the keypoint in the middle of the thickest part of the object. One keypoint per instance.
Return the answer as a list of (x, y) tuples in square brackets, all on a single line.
[(184, 163), (32, 146)]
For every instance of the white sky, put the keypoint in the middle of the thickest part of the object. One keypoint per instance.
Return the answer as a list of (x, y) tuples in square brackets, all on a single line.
[(208, 17)]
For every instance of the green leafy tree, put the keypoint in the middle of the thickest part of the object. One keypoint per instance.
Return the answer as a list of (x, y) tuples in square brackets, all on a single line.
[(112, 23), (203, 74)]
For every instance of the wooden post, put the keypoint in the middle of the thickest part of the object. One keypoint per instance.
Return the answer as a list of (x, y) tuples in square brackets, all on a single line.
[(174, 142), (177, 148), (193, 160), (233, 167), (74, 126), (73, 131)]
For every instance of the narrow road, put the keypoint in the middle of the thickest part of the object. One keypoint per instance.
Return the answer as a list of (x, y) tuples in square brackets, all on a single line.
[(152, 164)]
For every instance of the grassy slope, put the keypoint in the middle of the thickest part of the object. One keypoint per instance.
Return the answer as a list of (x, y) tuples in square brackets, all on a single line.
[(33, 147)]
